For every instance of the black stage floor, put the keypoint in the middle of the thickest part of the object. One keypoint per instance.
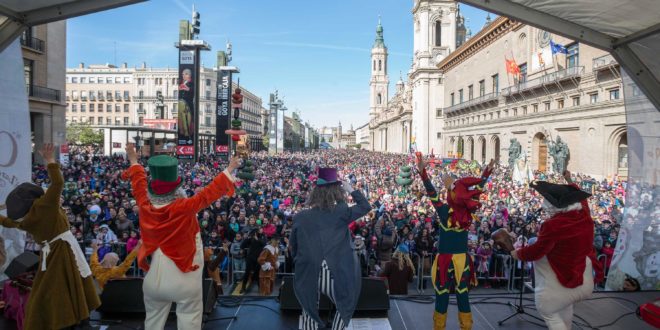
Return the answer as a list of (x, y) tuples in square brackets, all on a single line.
[(408, 313)]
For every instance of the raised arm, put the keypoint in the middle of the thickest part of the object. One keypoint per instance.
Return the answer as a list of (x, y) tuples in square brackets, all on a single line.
[(54, 174), (222, 185), (360, 209), (138, 177)]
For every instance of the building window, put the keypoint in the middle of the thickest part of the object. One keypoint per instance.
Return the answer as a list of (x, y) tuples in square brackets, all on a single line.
[(470, 92), (83, 96), (108, 108), (438, 33), (207, 107), (576, 100), (173, 81), (28, 72), (74, 95), (117, 121), (547, 106), (380, 66), (92, 96), (560, 103), (535, 108), (460, 96), (108, 80), (90, 120), (208, 82), (127, 95), (141, 121), (92, 80), (438, 112), (83, 80), (515, 112), (100, 80), (108, 95), (117, 80), (524, 108), (91, 107), (125, 120), (379, 99), (141, 94), (99, 94), (207, 121), (523, 72), (141, 107), (593, 98), (100, 120), (117, 107), (482, 88), (127, 80), (452, 98), (496, 83), (207, 94), (175, 94), (126, 108), (74, 80), (438, 135), (74, 107), (83, 107), (614, 93), (572, 55)]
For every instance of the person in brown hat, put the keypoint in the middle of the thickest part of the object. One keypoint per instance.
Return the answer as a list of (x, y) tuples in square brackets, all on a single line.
[(63, 292)]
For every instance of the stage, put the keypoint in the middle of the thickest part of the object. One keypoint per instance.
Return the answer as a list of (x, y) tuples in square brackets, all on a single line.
[(408, 313)]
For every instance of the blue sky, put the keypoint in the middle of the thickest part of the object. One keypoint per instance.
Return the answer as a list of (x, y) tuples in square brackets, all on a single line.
[(316, 53)]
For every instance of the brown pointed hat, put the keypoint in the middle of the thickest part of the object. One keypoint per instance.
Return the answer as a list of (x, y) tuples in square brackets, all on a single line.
[(559, 195)]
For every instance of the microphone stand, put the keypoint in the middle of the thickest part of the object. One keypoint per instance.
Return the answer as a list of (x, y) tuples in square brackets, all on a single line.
[(520, 308)]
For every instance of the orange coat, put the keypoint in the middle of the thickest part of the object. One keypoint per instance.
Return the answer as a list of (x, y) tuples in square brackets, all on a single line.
[(264, 257), (173, 227)]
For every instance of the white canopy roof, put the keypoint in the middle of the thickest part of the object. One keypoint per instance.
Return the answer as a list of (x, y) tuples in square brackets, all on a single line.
[(629, 29), (17, 15)]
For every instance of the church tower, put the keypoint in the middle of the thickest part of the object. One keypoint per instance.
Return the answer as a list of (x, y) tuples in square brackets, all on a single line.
[(379, 83), (435, 34)]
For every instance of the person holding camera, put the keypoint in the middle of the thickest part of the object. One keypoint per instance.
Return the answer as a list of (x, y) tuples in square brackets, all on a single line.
[(323, 254)]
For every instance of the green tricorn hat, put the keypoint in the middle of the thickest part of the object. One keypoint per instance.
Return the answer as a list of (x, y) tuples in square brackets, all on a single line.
[(164, 172)]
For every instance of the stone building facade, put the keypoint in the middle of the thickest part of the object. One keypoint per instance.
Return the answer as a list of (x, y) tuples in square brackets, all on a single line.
[(576, 96)]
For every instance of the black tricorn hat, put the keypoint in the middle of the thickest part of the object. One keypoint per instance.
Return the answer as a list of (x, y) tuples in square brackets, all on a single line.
[(19, 201), (560, 195)]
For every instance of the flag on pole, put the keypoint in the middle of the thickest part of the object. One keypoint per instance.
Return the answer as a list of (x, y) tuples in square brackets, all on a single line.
[(512, 67), (542, 59), (557, 48)]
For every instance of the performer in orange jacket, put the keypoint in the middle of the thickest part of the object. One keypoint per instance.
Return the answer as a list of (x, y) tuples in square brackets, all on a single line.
[(170, 235)]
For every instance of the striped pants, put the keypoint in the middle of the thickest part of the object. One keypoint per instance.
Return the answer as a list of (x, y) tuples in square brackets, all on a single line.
[(326, 287)]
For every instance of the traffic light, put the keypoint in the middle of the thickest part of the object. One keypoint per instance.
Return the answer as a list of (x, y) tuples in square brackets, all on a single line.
[(195, 23)]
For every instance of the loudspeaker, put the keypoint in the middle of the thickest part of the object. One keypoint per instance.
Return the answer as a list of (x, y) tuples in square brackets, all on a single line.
[(25, 262), (124, 295), (373, 296)]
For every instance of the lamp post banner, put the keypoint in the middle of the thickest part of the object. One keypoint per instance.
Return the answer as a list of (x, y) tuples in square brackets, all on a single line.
[(186, 111), (222, 114)]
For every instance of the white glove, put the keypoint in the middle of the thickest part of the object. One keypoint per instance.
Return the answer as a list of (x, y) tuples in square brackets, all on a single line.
[(277, 265), (346, 185), (266, 266)]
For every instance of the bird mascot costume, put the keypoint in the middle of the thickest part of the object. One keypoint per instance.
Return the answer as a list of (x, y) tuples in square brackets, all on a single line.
[(170, 236), (453, 268)]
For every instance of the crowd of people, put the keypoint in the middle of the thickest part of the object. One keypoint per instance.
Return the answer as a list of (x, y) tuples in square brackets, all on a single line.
[(402, 224)]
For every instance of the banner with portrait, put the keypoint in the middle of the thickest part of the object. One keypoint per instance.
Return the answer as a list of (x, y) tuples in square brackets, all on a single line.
[(186, 112), (15, 158)]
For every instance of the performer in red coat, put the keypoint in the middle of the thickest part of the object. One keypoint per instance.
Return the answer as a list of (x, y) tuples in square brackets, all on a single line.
[(564, 256)]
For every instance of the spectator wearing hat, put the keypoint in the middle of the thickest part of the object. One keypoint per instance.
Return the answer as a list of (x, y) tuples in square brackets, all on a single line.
[(399, 271), (107, 269), (63, 293), (268, 260)]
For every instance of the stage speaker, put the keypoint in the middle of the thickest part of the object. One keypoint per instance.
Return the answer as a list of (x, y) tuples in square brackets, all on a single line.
[(25, 262), (125, 295), (373, 296)]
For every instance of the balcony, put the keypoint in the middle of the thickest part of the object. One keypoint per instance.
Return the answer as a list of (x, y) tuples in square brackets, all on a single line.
[(44, 93), (604, 62), (153, 98), (547, 79), (492, 97), (141, 111), (34, 44)]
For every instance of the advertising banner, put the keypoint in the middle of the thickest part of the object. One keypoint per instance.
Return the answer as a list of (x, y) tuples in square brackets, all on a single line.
[(223, 114), (160, 123), (15, 158), (64, 155), (187, 114)]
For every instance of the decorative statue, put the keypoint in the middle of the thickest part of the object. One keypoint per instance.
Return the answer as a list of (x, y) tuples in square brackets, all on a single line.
[(514, 152), (560, 153)]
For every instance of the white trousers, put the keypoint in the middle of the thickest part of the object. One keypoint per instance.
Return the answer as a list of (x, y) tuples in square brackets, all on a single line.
[(554, 301), (165, 284)]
